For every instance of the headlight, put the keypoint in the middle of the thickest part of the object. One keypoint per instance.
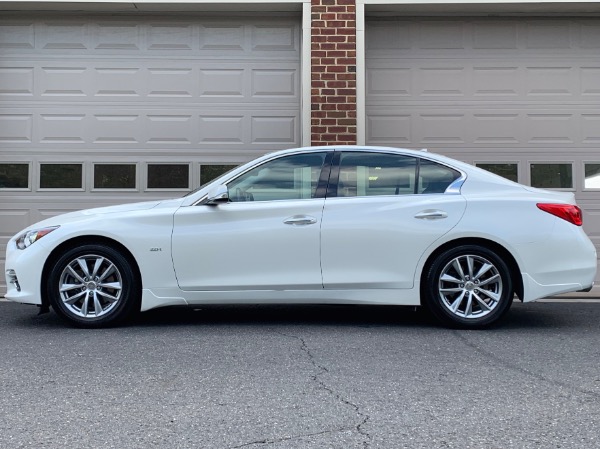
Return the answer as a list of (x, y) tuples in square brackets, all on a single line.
[(30, 237)]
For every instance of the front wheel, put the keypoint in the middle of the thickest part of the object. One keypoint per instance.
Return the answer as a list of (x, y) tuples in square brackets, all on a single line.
[(468, 287), (93, 286)]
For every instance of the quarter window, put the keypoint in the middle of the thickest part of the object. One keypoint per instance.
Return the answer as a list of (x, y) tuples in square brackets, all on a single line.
[(287, 178), (435, 178)]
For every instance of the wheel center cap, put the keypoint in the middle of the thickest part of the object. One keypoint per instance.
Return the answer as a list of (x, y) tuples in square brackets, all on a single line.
[(91, 286), (469, 286)]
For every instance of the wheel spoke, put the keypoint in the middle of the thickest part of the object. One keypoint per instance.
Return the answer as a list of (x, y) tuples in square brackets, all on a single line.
[(484, 269), (107, 272), (457, 302), (489, 280), (481, 302), (447, 278), (113, 285), (73, 299), (469, 307), (83, 265), (470, 266), (68, 287), (97, 306), (111, 298), (75, 274), (451, 290), (97, 265), (84, 307), (490, 294), (458, 268)]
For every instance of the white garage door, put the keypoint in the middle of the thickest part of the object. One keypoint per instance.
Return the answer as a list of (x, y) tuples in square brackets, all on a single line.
[(97, 110), (520, 97)]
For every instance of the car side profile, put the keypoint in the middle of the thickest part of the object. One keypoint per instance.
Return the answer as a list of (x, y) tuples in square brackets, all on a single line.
[(323, 225)]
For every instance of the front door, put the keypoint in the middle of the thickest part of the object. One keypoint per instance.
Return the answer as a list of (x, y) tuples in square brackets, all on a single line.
[(266, 238)]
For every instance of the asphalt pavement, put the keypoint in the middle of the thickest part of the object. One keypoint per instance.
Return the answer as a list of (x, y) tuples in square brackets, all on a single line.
[(310, 377)]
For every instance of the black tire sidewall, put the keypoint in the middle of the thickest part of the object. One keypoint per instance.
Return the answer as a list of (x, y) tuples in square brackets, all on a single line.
[(130, 295), (434, 303)]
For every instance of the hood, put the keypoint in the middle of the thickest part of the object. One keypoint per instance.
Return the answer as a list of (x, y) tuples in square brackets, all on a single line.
[(86, 214)]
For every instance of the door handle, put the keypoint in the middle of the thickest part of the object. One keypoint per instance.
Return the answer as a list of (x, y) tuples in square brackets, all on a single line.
[(431, 214), (300, 220)]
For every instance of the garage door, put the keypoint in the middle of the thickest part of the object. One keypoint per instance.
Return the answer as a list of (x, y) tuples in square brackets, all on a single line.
[(520, 97), (97, 110)]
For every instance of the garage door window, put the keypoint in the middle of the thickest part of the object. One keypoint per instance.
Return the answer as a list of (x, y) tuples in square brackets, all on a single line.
[(506, 170), (552, 175), (168, 176), (14, 176), (210, 172), (61, 176), (592, 176), (115, 176)]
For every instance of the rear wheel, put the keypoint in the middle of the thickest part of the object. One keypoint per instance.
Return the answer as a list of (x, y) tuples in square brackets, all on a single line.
[(93, 286), (468, 286)]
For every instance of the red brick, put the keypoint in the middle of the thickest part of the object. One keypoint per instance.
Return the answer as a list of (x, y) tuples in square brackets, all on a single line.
[(343, 61), (335, 68)]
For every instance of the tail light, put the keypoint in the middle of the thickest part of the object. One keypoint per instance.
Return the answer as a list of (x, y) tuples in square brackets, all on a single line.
[(568, 212)]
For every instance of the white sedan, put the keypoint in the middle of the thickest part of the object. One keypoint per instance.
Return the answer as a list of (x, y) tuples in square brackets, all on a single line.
[(343, 225)]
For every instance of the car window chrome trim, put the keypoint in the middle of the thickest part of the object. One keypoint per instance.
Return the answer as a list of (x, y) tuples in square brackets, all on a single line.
[(455, 186)]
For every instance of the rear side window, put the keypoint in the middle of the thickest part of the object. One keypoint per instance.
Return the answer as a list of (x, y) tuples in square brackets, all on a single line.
[(367, 174), (373, 174)]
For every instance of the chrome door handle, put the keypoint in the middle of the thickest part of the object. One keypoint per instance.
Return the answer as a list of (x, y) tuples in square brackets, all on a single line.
[(431, 214), (300, 220)]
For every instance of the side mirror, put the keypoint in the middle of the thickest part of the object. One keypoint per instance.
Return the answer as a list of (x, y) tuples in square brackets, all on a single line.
[(218, 195)]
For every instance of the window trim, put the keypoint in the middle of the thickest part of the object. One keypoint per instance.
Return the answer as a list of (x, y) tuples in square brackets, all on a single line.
[(583, 187), (517, 163)]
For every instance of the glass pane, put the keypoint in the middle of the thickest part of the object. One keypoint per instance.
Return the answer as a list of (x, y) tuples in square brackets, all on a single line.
[(210, 172), (114, 176), (61, 176), (592, 176), (552, 176), (168, 176), (366, 174), (508, 171), (434, 177), (289, 177), (14, 176)]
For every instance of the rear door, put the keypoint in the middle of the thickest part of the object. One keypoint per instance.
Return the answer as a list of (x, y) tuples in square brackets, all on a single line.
[(382, 212)]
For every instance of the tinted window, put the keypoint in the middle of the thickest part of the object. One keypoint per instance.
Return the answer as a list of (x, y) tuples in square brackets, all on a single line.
[(286, 178), (61, 176), (366, 174), (114, 176), (434, 177)]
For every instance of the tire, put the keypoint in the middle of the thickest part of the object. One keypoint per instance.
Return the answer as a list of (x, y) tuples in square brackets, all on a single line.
[(468, 287), (93, 286)]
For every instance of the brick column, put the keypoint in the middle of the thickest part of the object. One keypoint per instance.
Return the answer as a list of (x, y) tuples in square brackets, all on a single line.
[(333, 72)]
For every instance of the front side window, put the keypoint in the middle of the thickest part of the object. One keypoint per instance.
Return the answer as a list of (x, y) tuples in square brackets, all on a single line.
[(287, 178)]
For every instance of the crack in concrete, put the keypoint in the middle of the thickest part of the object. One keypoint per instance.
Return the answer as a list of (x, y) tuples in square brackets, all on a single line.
[(322, 370), (290, 438), (515, 367)]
